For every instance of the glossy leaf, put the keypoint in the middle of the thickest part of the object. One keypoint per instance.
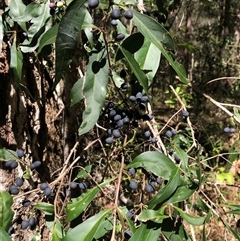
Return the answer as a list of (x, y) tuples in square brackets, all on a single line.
[(78, 205), (4, 235), (145, 55), (182, 193), (49, 37), (58, 232), (183, 157), (166, 191), (153, 215), (95, 88), (140, 75), (87, 27), (154, 162), (194, 220), (147, 231), (77, 91), (6, 154), (235, 209), (87, 229), (132, 44), (104, 227), (6, 212), (84, 173), (68, 34), (40, 23), (157, 35), (45, 207), (16, 64)]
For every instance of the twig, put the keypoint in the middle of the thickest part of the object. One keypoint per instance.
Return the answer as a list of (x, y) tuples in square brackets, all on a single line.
[(117, 196), (221, 78)]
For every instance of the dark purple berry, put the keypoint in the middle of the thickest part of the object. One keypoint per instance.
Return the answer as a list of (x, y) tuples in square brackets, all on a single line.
[(127, 234), (73, 185), (226, 129), (26, 203), (120, 123), (9, 163), (124, 86), (24, 224), (128, 14), (147, 134), (142, 106), (109, 140), (144, 99), (19, 181), (149, 188), (32, 221), (153, 140), (174, 132), (114, 22), (232, 130), (20, 153), (139, 95), (169, 134), (83, 185), (47, 191), (120, 37), (126, 120), (117, 117), (176, 158), (132, 98), (14, 164), (132, 171), (130, 213), (13, 190), (116, 133), (43, 185), (159, 181), (133, 185), (185, 113), (115, 14), (147, 117), (112, 113), (11, 230), (93, 3)]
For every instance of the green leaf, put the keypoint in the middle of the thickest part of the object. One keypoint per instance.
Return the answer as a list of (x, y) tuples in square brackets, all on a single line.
[(235, 209), (132, 44), (236, 113), (153, 215), (182, 193), (4, 235), (145, 55), (6, 212), (154, 162), (40, 23), (104, 227), (84, 173), (16, 64), (183, 156), (86, 230), (17, 8), (45, 207), (166, 191), (77, 91), (68, 34), (194, 220), (78, 205), (95, 88), (122, 211), (147, 231), (58, 232), (140, 75), (49, 37), (157, 35), (6, 154), (87, 27)]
